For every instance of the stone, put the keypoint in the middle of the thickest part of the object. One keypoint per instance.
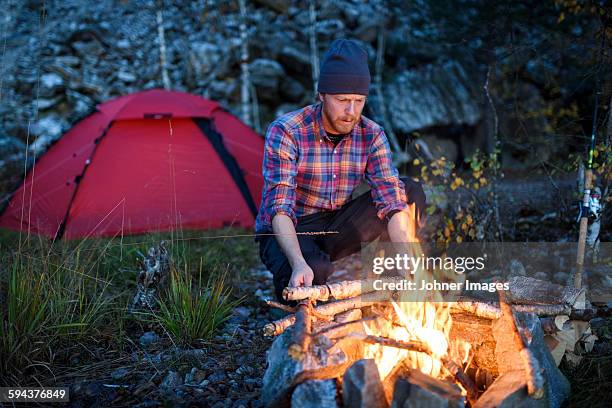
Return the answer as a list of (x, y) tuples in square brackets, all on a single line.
[(126, 76), (281, 6), (509, 390), (315, 394), (217, 376), (172, 379), (291, 89), (516, 268), (120, 373), (47, 129), (148, 339), (432, 95), (204, 57), (561, 278), (195, 376), (282, 370), (419, 390), (556, 386), (266, 73), (361, 386), (296, 59)]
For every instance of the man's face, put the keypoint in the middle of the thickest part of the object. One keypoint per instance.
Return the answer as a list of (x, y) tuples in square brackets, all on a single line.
[(341, 112)]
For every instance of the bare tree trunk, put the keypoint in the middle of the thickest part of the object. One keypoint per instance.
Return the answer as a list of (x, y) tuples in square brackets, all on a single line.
[(162, 45), (314, 51), (495, 158), (255, 106), (244, 66), (400, 156)]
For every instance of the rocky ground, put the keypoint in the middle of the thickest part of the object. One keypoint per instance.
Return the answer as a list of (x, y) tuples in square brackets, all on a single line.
[(225, 371)]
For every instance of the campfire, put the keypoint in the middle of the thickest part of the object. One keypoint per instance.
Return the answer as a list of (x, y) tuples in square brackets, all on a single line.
[(371, 348)]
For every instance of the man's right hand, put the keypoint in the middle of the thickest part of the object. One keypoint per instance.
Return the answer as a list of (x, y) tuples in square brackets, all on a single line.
[(302, 275)]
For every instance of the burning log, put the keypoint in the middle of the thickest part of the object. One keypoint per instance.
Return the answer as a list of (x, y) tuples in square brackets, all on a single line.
[(535, 381), (303, 331), (329, 309), (455, 371), (414, 345), (344, 329), (338, 291)]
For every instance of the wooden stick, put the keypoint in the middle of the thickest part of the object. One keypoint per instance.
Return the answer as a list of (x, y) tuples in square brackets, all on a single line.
[(329, 309), (286, 308), (303, 331), (584, 224), (413, 345), (343, 329), (492, 312), (535, 381), (338, 291), (462, 378)]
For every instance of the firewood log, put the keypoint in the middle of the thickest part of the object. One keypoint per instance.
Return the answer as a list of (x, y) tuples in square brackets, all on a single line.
[(303, 331), (329, 309), (530, 291), (339, 290)]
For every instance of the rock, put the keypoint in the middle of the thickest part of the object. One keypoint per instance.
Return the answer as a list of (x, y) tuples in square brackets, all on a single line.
[(421, 390), (50, 83), (328, 29), (556, 386), (265, 73), (120, 373), (296, 60), (541, 276), (282, 369), (291, 89), (149, 339), (508, 391), (217, 376), (281, 6), (315, 394), (172, 379), (123, 44), (432, 95), (361, 386), (69, 60), (561, 278), (195, 377), (43, 103), (126, 76), (48, 129), (516, 268), (204, 57)]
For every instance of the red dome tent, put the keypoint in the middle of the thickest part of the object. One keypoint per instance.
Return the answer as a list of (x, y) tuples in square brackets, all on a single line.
[(149, 161)]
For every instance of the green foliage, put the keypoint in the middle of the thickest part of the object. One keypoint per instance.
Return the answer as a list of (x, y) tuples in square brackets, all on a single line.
[(473, 220), (193, 311)]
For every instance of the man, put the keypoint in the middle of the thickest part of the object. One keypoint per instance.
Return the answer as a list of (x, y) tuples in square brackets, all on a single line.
[(313, 160)]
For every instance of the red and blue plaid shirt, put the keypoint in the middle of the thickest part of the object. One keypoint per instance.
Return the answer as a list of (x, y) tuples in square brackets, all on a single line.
[(305, 173)]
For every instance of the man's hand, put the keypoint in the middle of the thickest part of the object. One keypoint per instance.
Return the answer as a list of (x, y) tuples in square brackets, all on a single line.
[(302, 275)]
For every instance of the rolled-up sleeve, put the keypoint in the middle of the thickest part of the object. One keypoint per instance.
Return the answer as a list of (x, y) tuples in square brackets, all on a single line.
[(279, 171), (388, 190)]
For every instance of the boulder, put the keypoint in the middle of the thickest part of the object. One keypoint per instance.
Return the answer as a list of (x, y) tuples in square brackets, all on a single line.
[(315, 394), (432, 95)]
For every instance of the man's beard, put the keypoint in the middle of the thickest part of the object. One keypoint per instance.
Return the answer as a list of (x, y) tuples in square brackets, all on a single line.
[(339, 125)]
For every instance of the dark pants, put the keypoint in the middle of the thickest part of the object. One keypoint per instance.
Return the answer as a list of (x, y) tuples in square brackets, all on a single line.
[(356, 223)]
